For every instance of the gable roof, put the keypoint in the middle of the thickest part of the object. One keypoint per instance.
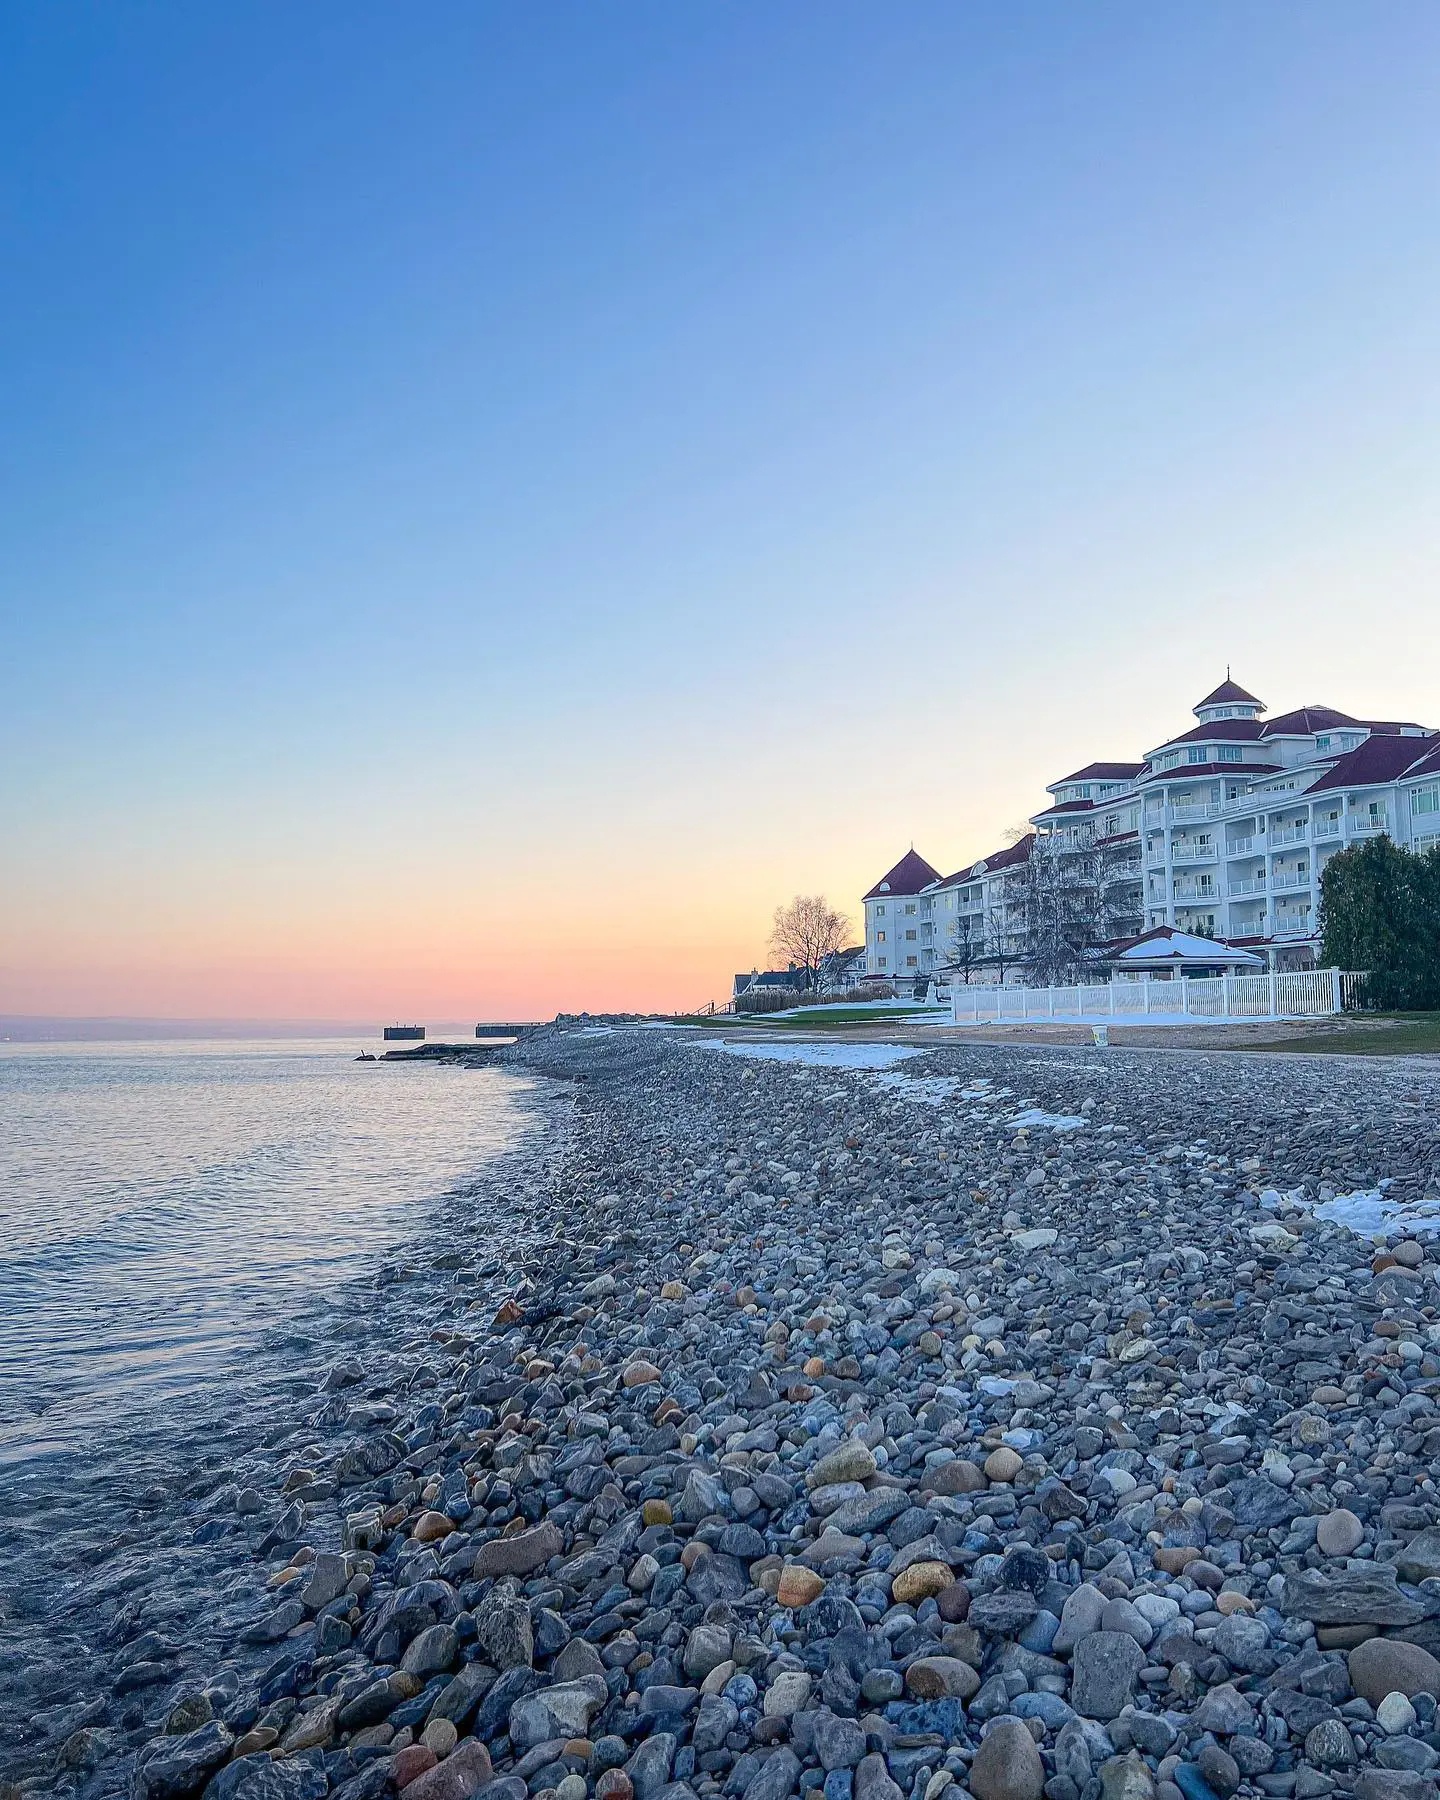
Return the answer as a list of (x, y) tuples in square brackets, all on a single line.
[(1008, 858), (1166, 945), (1378, 759), (1229, 693), (909, 875)]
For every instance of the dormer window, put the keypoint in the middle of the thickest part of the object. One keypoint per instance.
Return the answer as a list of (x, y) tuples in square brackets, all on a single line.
[(1323, 741)]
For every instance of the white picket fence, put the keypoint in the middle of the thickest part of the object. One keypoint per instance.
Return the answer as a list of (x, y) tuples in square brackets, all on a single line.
[(1300, 994)]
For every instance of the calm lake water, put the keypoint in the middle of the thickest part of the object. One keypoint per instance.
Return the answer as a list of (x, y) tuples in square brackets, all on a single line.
[(163, 1203)]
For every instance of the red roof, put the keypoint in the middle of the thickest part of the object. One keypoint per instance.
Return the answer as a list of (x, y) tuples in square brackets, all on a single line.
[(1000, 859), (1245, 730), (1305, 720), (909, 875), (1380, 759), (1230, 693), (1101, 771)]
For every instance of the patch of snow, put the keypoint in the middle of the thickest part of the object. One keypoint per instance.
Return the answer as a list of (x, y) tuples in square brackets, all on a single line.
[(1035, 1119), (818, 1056), (1370, 1214), (932, 1090)]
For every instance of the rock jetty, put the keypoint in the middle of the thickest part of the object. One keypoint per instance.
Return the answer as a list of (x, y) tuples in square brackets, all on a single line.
[(1010, 1428)]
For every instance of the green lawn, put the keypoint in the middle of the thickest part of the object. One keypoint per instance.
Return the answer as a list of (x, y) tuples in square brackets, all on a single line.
[(1368, 1034)]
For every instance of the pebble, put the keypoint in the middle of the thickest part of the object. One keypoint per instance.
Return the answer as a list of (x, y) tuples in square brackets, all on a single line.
[(849, 1443)]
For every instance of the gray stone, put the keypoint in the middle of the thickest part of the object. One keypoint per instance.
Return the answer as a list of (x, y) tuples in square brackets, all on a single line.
[(1007, 1765), (1353, 1596), (1105, 1665), (778, 1777), (521, 1554), (258, 1778), (504, 1630), (1329, 1745), (172, 1768), (1339, 1532), (1384, 1666)]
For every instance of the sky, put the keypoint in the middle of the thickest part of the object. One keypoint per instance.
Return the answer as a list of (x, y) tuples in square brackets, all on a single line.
[(494, 499)]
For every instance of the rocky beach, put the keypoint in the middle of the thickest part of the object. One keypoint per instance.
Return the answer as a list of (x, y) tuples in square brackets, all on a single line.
[(1000, 1422)]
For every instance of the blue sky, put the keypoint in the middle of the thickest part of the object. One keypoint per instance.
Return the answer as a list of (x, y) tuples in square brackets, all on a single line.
[(469, 474)]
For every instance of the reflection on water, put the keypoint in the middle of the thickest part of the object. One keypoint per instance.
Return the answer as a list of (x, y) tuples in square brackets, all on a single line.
[(162, 1201)]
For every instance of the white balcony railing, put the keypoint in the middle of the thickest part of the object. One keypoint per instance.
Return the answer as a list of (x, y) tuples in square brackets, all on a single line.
[(1288, 834), (1362, 824), (1285, 881), (1295, 924), (1189, 890), (1242, 847), (1240, 889), (1193, 853), (1327, 828)]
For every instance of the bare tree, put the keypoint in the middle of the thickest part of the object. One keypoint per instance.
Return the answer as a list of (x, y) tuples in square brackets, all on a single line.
[(807, 931), (1063, 909), (967, 946)]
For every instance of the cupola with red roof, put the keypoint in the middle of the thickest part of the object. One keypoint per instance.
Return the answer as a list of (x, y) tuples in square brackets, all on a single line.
[(1229, 701)]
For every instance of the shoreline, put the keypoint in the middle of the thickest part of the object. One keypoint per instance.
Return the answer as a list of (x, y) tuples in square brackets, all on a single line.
[(839, 1421), (131, 1574)]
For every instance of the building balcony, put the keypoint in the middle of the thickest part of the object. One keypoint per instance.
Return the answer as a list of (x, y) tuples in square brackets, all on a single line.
[(1126, 871), (1293, 924), (1240, 890), (1244, 846), (1193, 853), (1285, 881), (1363, 825), (1190, 890), (1288, 834), (1327, 828)]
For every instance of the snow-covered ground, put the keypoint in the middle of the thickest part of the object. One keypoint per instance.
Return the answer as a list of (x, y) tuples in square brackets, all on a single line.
[(818, 1056), (1369, 1212)]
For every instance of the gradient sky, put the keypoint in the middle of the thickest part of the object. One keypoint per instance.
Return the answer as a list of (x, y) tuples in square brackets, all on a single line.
[(494, 498)]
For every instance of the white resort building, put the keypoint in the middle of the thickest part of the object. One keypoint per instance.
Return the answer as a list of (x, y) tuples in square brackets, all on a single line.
[(1222, 831)]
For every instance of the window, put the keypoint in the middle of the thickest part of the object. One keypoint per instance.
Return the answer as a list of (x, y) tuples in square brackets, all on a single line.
[(1425, 800), (1231, 753), (1197, 753), (880, 912), (1112, 825), (1170, 760), (884, 962), (1323, 742), (879, 937), (912, 962), (910, 908), (910, 936)]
